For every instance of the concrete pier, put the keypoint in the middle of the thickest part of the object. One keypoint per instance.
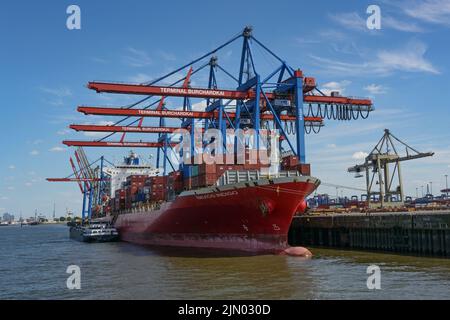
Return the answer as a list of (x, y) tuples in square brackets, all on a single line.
[(421, 233)]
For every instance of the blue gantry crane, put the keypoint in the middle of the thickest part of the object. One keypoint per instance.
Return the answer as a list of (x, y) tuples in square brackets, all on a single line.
[(282, 98)]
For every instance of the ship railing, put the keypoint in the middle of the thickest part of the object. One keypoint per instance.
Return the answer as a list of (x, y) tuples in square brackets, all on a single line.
[(234, 176)]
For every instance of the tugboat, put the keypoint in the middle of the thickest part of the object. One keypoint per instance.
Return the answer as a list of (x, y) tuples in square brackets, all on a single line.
[(94, 232)]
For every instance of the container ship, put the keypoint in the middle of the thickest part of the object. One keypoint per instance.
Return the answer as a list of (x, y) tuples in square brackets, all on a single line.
[(245, 208)]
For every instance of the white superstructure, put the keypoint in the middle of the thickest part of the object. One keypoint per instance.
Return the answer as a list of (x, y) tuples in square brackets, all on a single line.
[(131, 166)]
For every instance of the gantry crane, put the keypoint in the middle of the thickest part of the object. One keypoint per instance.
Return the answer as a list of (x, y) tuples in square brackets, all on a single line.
[(379, 160), (91, 180), (260, 101)]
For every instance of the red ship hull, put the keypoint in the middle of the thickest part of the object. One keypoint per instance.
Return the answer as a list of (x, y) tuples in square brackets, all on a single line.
[(253, 218)]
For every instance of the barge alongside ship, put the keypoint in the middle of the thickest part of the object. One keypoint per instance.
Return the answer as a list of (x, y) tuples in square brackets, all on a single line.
[(95, 232)]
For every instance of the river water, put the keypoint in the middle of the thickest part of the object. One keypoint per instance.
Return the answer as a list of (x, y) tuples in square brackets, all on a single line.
[(34, 261)]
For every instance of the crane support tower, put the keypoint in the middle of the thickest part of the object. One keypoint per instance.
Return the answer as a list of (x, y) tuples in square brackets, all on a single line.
[(381, 160)]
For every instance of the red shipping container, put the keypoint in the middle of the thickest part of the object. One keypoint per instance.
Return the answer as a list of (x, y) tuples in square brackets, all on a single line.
[(252, 155), (290, 162), (119, 193), (194, 182), (207, 180), (158, 196), (175, 174), (220, 169), (159, 179), (132, 190), (187, 184), (178, 186), (158, 186), (304, 169), (206, 168)]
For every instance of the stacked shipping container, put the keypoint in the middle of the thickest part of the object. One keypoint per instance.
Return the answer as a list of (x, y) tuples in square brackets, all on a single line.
[(141, 188), (158, 188), (132, 186), (292, 163)]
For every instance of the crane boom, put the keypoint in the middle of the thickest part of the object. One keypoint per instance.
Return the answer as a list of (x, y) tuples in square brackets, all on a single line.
[(105, 111), (72, 180), (360, 167), (141, 89), (118, 144), (137, 129), (75, 172)]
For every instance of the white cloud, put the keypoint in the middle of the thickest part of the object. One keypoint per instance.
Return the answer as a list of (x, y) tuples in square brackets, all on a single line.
[(57, 149), (57, 95), (349, 130), (410, 58), (64, 132), (305, 41), (58, 92), (332, 34), (99, 60), (339, 41), (12, 167), (140, 78), (392, 23), (360, 155), (227, 54), (56, 103), (176, 77), (34, 153), (432, 11), (353, 21), (38, 141), (10, 188), (167, 55), (4, 198), (339, 86), (199, 106), (170, 80), (350, 20), (28, 184), (137, 58), (375, 89)]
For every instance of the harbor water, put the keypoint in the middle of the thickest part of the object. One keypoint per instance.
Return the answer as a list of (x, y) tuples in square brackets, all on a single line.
[(34, 261)]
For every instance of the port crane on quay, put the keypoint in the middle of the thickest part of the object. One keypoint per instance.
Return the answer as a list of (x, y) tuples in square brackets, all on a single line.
[(380, 160), (283, 98), (91, 180)]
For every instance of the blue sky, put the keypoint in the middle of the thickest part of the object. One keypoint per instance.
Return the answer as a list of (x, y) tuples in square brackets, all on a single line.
[(404, 67)]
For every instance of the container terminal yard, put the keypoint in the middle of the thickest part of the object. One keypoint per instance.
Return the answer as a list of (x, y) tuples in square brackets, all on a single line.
[(185, 203)]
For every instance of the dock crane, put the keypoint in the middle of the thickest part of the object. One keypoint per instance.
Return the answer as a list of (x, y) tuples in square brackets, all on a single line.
[(91, 180), (283, 99), (380, 160)]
